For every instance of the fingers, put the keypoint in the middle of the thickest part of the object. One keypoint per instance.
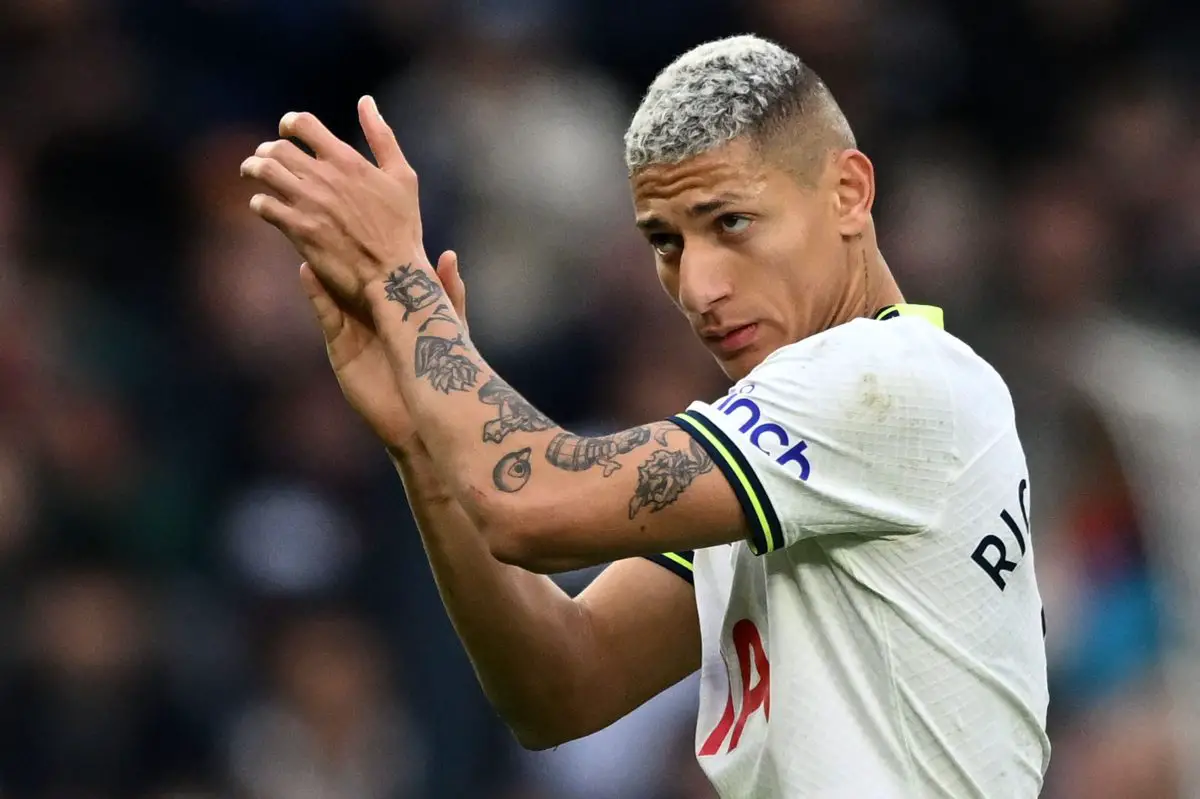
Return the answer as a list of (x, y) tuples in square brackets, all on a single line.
[(276, 212), (272, 174), (329, 315), (298, 162), (456, 290), (445, 267), (380, 137), (310, 130), (281, 166)]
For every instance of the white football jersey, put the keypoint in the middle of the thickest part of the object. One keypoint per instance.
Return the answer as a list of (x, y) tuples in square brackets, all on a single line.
[(880, 634)]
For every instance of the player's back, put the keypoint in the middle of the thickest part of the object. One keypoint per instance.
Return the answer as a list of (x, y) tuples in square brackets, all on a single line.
[(887, 639)]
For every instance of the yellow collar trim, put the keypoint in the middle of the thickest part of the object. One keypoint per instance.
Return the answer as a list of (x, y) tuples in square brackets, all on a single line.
[(930, 313)]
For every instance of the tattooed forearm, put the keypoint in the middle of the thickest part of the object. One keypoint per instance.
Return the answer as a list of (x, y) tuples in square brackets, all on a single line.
[(440, 314), (665, 475), (446, 370), (514, 412), (412, 288), (576, 453), (512, 472)]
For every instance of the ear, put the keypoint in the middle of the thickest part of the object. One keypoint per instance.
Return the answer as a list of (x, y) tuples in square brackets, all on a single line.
[(855, 192)]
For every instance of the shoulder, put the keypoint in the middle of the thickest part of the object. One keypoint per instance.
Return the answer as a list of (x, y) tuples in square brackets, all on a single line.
[(901, 377), (906, 352), (864, 358)]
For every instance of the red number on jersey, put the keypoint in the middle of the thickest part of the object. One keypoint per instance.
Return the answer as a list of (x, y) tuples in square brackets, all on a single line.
[(747, 643)]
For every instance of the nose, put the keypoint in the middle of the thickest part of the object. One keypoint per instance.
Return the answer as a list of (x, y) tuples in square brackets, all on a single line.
[(703, 280)]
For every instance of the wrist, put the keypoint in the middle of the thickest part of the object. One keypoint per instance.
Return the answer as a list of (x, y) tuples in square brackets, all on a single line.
[(407, 288), (419, 473), (404, 447), (375, 295)]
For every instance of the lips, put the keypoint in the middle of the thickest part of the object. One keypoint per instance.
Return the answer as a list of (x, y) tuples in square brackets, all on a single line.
[(733, 339)]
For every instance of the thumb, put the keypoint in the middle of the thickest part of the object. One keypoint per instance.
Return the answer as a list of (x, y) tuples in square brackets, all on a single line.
[(380, 137), (452, 282), (329, 315)]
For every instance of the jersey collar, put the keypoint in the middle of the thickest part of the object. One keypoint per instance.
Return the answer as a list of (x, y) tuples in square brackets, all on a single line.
[(930, 313)]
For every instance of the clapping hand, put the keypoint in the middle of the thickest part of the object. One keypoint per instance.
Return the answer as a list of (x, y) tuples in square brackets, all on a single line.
[(353, 222)]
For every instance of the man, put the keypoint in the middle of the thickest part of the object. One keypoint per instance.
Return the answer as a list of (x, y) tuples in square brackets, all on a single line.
[(852, 516)]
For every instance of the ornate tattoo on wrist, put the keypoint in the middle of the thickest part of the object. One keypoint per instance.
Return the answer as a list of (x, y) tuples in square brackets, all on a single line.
[(412, 288)]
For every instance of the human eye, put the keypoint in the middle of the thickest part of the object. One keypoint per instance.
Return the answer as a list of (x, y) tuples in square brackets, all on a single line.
[(734, 223), (666, 244)]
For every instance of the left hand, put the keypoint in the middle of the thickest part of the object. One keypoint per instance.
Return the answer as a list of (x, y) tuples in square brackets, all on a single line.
[(352, 221), (360, 361)]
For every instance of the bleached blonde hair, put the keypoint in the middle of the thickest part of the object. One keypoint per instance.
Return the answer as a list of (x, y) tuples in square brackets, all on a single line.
[(726, 89)]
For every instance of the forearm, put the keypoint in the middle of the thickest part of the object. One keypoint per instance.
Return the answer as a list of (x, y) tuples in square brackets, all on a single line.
[(469, 419), (526, 639), (543, 498)]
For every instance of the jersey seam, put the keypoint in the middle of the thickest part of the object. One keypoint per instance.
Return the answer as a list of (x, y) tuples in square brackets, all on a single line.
[(984, 450), (909, 757), (944, 501)]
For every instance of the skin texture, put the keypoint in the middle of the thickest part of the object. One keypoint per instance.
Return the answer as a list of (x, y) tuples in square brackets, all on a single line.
[(499, 491), (631, 634), (739, 240)]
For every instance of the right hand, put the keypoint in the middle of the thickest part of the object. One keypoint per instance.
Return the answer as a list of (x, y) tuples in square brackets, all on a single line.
[(360, 361)]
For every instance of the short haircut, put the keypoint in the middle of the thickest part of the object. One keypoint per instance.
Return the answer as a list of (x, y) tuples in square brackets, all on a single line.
[(729, 88)]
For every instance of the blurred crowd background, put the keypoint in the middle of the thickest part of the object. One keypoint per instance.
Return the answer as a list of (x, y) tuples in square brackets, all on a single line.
[(209, 582)]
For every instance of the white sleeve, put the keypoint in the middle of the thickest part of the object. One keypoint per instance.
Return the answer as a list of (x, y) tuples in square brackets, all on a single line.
[(831, 440)]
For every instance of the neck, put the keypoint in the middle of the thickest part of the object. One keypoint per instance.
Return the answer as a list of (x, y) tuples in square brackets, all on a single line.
[(870, 286)]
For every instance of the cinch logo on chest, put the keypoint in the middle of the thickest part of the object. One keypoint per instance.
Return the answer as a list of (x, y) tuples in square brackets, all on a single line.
[(751, 655), (770, 437)]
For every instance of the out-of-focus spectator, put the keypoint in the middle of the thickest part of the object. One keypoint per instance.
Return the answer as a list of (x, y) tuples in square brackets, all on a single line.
[(329, 726), (71, 68), (519, 146), (1142, 381), (939, 230), (241, 283), (87, 712)]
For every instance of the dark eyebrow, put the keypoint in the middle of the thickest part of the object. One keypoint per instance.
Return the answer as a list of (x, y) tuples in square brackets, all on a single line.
[(705, 208), (699, 209), (651, 223)]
